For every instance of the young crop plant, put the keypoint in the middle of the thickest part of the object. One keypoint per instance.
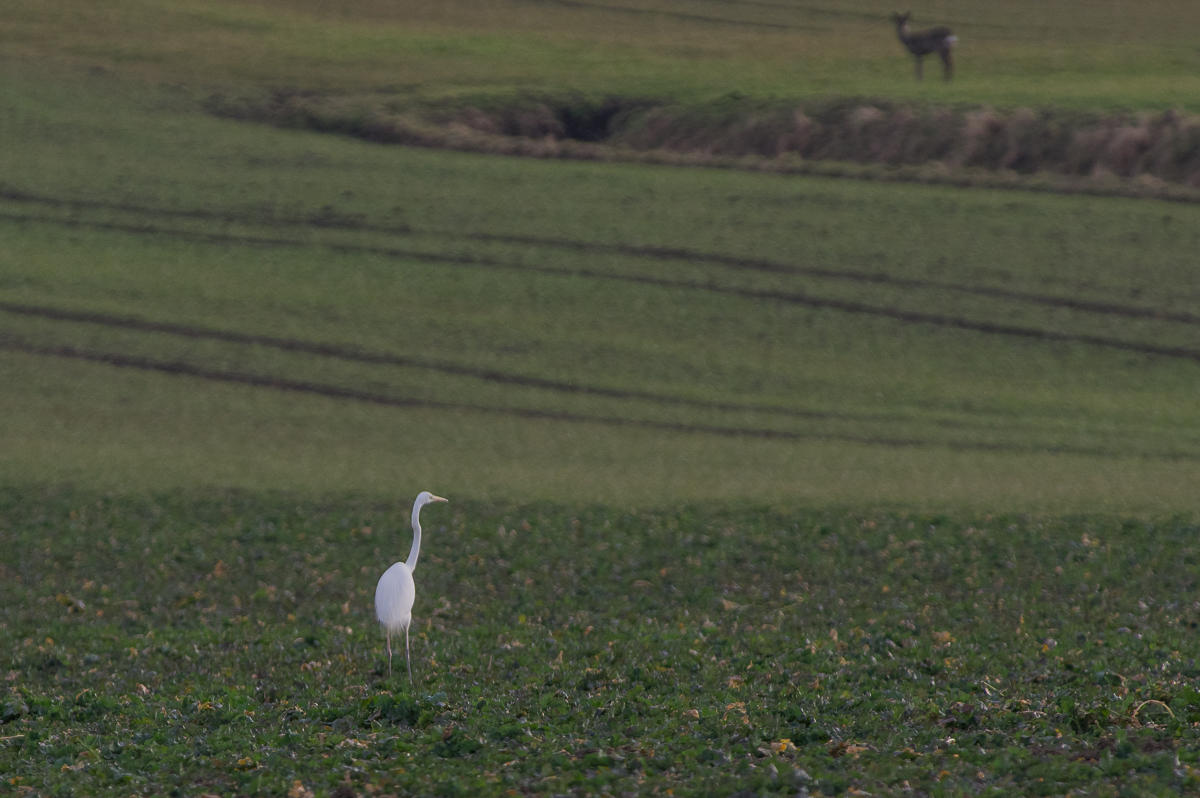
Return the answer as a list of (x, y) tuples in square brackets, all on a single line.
[(226, 645)]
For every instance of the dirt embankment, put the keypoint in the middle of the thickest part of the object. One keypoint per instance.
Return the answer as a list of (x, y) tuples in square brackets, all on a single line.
[(1147, 153)]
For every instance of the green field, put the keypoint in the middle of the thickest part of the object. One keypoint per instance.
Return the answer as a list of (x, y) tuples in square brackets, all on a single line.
[(760, 483), (1093, 54), (226, 645), (583, 332)]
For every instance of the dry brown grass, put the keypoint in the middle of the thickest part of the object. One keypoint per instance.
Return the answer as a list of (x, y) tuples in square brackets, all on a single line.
[(1062, 150)]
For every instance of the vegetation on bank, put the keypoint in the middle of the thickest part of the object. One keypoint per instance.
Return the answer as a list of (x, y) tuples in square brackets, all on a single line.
[(178, 645), (965, 144)]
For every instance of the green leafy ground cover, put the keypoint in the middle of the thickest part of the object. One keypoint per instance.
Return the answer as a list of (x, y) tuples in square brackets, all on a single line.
[(225, 645)]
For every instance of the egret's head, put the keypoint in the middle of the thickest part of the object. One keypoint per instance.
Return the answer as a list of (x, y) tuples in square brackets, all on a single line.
[(426, 497)]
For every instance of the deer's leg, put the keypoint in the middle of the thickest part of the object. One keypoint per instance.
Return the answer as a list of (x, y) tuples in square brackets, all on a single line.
[(920, 70), (948, 63)]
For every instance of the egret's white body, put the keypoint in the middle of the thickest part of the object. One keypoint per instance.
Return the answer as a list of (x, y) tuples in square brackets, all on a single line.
[(396, 592)]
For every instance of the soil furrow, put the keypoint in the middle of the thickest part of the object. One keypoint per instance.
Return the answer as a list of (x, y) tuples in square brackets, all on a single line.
[(679, 15), (180, 368), (359, 355), (786, 297), (329, 221)]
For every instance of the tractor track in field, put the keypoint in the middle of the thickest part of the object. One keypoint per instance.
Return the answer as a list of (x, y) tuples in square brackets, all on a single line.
[(183, 369), (678, 15), (356, 354), (786, 297), (771, 267), (334, 221)]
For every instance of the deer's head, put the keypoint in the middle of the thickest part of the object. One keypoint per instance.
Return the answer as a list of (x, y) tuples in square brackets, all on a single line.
[(901, 20)]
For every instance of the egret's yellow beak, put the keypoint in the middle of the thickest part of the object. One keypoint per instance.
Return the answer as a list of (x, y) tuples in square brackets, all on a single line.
[(433, 498)]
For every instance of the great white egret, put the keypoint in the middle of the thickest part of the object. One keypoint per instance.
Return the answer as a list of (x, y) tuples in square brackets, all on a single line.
[(396, 591)]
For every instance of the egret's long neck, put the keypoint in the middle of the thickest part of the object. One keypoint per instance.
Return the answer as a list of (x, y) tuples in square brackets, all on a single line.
[(416, 547)]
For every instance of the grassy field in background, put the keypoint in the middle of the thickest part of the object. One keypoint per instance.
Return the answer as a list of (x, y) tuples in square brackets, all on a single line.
[(247, 307), (759, 484), (1097, 55), (225, 645)]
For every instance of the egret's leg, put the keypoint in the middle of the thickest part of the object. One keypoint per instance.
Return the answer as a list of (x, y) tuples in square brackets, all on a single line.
[(407, 658), (388, 634)]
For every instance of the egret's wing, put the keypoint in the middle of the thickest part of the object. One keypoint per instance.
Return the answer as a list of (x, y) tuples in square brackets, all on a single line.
[(394, 597)]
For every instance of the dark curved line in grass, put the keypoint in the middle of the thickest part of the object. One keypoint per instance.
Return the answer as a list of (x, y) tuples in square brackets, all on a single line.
[(786, 297), (17, 195), (180, 368), (940, 320), (359, 355), (335, 222), (883, 19), (773, 267), (681, 15), (802, 8), (914, 317)]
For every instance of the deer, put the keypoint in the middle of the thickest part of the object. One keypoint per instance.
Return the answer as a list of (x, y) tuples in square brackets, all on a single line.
[(938, 40)]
